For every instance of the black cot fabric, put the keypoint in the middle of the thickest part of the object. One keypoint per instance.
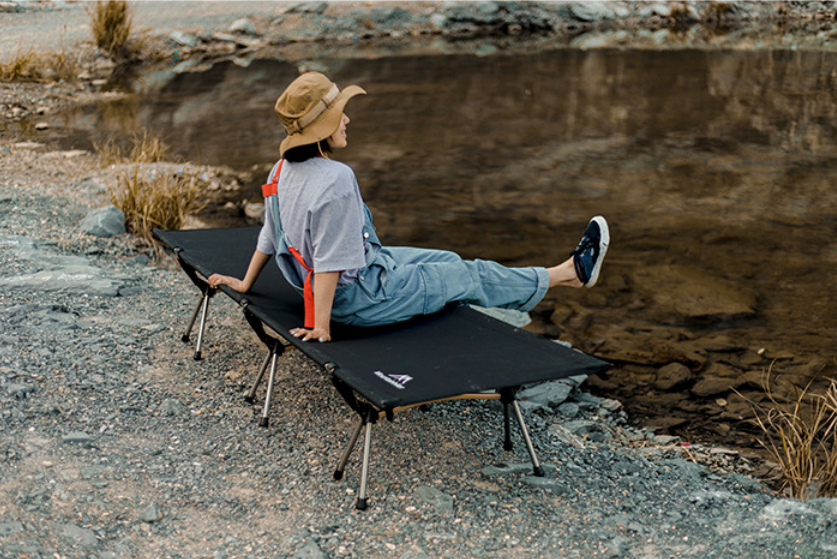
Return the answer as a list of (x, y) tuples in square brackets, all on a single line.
[(457, 351)]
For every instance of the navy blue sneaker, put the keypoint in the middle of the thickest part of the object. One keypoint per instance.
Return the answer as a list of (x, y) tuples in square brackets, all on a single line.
[(591, 250)]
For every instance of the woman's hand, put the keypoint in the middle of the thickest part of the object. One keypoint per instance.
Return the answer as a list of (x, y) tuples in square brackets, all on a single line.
[(257, 263), (320, 334), (233, 283), (325, 284)]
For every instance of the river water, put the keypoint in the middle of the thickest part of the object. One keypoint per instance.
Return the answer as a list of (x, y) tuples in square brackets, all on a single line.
[(715, 170)]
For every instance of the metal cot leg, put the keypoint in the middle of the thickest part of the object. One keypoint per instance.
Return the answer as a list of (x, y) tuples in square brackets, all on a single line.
[(535, 464), (507, 442), (364, 472), (341, 465), (204, 312), (274, 355), (185, 336), (251, 396)]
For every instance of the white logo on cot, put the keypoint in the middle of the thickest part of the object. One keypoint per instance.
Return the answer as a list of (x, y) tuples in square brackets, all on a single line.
[(398, 381)]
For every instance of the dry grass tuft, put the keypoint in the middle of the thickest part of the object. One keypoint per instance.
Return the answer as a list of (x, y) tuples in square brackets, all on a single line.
[(148, 148), (32, 67), (111, 23), (144, 148), (802, 438), (154, 202), (64, 67), (21, 67)]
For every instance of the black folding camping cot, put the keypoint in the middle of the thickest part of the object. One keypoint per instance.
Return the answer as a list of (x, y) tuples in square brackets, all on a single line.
[(458, 353)]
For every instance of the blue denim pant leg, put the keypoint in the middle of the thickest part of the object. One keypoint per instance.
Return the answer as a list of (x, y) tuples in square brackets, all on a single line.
[(404, 282)]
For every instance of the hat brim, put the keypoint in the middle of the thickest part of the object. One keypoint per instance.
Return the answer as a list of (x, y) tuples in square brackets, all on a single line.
[(325, 125)]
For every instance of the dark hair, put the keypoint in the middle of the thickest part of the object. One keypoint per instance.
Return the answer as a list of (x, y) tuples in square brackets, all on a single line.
[(306, 152)]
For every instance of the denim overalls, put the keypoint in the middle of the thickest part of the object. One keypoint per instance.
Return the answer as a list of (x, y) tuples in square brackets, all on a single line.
[(399, 283)]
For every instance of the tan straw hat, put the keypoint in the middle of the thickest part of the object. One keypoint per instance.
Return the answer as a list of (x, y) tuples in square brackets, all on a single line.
[(310, 109)]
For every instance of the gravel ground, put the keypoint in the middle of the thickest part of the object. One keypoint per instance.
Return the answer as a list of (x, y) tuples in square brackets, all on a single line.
[(115, 443)]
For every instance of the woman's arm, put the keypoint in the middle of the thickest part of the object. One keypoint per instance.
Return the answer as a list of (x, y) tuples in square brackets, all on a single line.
[(257, 264), (325, 284)]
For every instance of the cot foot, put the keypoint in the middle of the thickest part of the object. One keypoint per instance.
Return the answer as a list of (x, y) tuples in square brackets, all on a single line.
[(338, 475), (361, 504), (197, 356), (508, 445), (539, 471), (249, 399), (263, 422), (184, 338)]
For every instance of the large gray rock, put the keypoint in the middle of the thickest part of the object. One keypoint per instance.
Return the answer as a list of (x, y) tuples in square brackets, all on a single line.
[(104, 222), (242, 26), (551, 394), (595, 11), (83, 280), (309, 8), (786, 510), (185, 39), (65, 274)]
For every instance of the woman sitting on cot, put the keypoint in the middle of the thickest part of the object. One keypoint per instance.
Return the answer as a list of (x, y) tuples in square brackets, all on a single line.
[(321, 234)]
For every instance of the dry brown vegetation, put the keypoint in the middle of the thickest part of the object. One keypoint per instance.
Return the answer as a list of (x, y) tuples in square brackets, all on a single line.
[(34, 67), (801, 436), (144, 148), (154, 201), (112, 28), (111, 23)]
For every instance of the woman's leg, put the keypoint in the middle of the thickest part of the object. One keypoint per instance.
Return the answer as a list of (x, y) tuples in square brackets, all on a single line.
[(411, 255), (410, 282), (405, 282), (564, 274)]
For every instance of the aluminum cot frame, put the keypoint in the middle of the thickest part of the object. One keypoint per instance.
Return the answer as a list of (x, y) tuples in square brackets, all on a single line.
[(470, 359)]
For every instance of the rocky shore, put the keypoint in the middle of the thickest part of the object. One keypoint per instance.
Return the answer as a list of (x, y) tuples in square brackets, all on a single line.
[(115, 443)]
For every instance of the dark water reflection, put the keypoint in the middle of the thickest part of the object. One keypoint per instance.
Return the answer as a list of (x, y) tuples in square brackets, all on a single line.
[(719, 165)]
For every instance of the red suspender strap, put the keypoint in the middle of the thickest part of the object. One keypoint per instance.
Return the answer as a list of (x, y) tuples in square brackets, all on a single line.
[(308, 290), (268, 189), (271, 189)]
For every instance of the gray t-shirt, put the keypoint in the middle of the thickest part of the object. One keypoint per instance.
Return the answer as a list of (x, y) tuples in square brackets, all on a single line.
[(321, 212)]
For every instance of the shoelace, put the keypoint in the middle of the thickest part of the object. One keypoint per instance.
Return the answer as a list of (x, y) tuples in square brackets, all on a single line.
[(585, 244)]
